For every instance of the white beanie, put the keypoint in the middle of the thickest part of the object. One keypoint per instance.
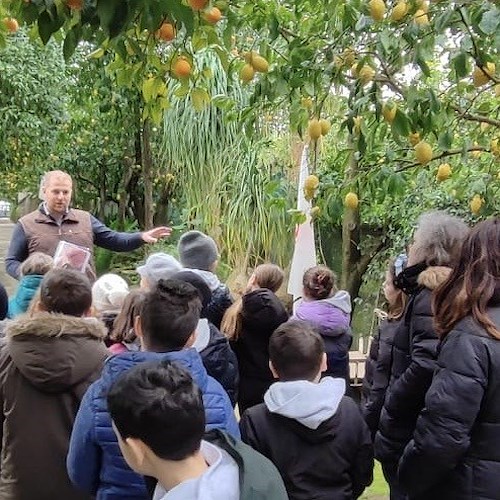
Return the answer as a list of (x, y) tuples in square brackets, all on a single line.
[(159, 266), (109, 292)]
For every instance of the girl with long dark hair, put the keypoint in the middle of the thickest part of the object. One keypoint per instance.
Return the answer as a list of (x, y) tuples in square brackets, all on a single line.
[(455, 451)]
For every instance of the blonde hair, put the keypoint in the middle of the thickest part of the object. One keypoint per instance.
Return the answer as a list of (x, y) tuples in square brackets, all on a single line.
[(268, 276), (37, 263), (397, 308)]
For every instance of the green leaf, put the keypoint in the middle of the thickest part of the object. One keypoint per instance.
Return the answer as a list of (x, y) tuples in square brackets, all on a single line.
[(148, 89), (460, 65), (490, 23), (401, 124), (47, 25), (71, 42), (97, 54), (112, 15), (445, 140), (183, 14), (106, 11), (200, 98)]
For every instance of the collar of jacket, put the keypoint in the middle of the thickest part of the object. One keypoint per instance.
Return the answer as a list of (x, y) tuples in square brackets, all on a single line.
[(44, 216), (433, 276), (44, 324)]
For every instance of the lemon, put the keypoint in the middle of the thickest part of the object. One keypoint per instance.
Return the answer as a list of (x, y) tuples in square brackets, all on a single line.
[(423, 152), (314, 129), (389, 111), (325, 126), (414, 138), (260, 64), (377, 9), (399, 11), (247, 73), (366, 74), (311, 183), (351, 200), (421, 18), (475, 204), (481, 76), (443, 172)]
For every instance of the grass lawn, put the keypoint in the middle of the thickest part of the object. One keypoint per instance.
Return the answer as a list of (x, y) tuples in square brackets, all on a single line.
[(379, 489)]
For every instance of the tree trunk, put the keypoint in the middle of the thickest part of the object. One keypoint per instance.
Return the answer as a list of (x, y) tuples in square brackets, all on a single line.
[(351, 254), (354, 262), (161, 213), (147, 175), (103, 193), (123, 192)]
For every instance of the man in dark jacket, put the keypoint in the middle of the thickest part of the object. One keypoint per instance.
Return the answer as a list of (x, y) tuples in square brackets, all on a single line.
[(314, 435), (55, 221), (166, 327), (46, 365), (159, 422)]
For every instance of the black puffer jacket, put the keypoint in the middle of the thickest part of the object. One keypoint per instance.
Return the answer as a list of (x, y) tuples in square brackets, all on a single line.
[(262, 312), (220, 301), (455, 453), (334, 461), (377, 372), (221, 363), (414, 357)]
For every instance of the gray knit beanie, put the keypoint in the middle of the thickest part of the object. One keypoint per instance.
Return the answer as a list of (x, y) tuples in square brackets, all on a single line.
[(197, 251)]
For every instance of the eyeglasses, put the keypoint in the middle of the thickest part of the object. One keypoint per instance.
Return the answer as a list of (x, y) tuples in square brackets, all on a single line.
[(400, 264)]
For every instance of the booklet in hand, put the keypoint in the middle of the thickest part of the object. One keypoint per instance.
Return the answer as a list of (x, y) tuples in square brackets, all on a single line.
[(71, 256)]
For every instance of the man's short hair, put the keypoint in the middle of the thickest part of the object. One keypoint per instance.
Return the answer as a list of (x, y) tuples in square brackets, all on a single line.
[(159, 404), (66, 291), (296, 350), (169, 315)]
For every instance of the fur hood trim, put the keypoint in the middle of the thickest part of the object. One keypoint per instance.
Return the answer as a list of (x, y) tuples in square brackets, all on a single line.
[(433, 276), (43, 324)]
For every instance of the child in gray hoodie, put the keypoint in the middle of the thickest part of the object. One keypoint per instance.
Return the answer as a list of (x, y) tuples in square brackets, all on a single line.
[(307, 427)]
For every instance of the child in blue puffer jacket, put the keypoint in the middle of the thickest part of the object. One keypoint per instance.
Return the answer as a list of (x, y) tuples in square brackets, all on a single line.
[(32, 270), (166, 327)]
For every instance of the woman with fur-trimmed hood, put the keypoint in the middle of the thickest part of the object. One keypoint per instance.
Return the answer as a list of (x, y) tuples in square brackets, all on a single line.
[(436, 246), (49, 359)]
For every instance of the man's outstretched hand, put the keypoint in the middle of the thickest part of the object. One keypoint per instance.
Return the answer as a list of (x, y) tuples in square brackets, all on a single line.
[(153, 235)]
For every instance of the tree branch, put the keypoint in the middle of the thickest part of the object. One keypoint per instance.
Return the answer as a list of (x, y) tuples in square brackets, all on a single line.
[(366, 258), (475, 118), (444, 154), (88, 181)]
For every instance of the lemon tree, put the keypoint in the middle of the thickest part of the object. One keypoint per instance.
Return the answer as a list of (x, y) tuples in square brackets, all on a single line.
[(408, 85)]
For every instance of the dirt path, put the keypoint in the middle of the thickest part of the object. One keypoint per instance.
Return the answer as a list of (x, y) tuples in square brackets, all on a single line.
[(6, 228)]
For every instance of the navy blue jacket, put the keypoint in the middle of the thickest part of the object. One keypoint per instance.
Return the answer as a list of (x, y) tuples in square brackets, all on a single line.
[(221, 300), (95, 463), (221, 363), (103, 237)]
